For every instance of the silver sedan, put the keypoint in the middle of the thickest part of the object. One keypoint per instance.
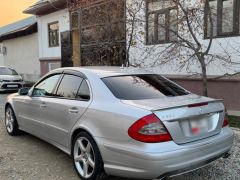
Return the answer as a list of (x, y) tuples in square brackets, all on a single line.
[(122, 121)]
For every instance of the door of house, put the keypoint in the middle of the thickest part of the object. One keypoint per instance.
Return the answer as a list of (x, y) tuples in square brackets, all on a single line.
[(103, 33)]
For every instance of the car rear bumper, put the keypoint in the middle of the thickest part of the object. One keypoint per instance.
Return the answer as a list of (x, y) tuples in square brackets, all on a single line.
[(192, 167), (166, 159)]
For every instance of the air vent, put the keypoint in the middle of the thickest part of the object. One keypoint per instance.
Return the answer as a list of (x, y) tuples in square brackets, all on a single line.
[(53, 66)]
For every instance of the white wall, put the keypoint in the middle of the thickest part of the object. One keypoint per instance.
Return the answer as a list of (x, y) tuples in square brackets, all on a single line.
[(46, 52), (146, 55), (1, 56), (22, 55)]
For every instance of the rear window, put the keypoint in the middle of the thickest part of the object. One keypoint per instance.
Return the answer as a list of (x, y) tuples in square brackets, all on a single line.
[(147, 86)]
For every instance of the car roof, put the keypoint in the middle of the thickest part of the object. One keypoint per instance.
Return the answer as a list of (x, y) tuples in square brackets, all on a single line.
[(5, 67), (107, 71)]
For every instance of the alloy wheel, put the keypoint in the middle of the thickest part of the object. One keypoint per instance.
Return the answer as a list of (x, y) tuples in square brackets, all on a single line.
[(84, 157), (9, 120)]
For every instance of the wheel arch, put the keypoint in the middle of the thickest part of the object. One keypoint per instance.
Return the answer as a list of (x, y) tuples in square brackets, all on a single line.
[(76, 132), (7, 105)]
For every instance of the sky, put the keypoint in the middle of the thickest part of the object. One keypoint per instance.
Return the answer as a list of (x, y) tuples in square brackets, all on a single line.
[(11, 10)]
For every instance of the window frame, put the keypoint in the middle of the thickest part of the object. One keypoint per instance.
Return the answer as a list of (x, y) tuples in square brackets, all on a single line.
[(54, 89), (58, 35), (75, 98), (62, 73), (88, 89), (220, 33), (165, 11)]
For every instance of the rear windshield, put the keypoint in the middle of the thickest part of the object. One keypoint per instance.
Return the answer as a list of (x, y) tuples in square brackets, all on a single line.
[(147, 86)]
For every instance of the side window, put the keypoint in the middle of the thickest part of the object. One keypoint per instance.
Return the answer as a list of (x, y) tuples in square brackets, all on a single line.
[(69, 86), (46, 87), (84, 92)]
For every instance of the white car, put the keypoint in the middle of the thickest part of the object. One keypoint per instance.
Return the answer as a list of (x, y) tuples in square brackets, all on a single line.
[(10, 80)]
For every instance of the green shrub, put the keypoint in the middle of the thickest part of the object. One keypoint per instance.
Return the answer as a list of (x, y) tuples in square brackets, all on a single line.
[(234, 121)]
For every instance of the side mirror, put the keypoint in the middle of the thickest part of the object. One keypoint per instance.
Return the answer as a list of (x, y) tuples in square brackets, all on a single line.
[(23, 91)]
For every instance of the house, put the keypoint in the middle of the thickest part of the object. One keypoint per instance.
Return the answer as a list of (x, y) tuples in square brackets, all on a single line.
[(160, 23), (53, 23), (117, 32), (19, 48), (103, 29), (62, 45), (114, 32)]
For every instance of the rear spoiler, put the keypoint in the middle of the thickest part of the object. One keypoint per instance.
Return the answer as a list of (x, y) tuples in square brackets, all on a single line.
[(191, 105)]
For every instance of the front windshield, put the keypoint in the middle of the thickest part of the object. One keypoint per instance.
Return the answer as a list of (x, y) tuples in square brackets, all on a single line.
[(7, 71)]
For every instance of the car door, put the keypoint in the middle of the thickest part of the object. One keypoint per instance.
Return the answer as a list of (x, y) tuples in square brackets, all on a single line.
[(67, 107), (32, 108)]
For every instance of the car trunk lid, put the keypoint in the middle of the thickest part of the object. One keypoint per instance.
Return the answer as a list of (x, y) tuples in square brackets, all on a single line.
[(187, 118)]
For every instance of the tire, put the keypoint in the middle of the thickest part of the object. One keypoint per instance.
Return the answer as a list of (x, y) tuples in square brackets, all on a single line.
[(87, 159), (11, 122)]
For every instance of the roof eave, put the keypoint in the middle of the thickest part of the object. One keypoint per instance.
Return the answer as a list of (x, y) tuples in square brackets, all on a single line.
[(33, 8), (19, 33), (46, 7)]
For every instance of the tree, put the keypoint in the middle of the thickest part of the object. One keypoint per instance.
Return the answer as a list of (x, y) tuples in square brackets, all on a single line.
[(189, 17), (190, 49), (102, 31)]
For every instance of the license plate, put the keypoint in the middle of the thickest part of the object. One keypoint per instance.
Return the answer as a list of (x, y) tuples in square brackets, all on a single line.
[(12, 86), (199, 126)]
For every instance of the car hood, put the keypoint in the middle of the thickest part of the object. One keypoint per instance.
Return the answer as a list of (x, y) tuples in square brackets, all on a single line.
[(10, 77)]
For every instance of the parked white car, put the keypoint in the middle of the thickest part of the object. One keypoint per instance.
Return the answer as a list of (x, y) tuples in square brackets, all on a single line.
[(10, 80)]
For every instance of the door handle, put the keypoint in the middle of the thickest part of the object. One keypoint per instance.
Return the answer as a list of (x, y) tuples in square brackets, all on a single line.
[(43, 105), (73, 110)]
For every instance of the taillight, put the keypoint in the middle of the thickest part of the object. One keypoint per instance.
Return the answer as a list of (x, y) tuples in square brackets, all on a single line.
[(225, 122), (149, 129), (197, 105)]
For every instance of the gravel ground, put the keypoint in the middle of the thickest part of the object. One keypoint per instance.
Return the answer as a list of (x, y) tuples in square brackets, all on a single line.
[(28, 158)]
